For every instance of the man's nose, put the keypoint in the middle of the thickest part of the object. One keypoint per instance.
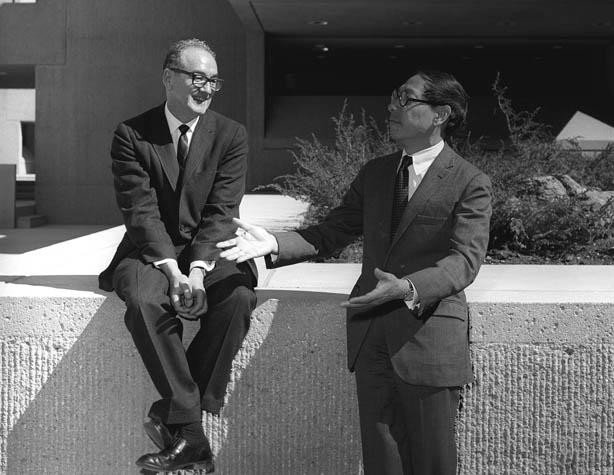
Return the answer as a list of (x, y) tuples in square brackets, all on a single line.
[(207, 87), (391, 107)]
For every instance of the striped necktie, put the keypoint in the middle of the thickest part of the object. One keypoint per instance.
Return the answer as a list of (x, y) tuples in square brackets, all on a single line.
[(182, 145), (399, 200)]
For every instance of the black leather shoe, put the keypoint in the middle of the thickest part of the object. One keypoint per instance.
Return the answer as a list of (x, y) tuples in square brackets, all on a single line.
[(158, 432), (180, 455)]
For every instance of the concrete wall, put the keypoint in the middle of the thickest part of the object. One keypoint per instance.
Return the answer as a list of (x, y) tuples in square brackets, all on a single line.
[(33, 33), (16, 106), (100, 63), (73, 388)]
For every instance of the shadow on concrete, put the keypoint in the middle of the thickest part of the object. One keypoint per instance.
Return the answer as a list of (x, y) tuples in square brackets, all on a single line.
[(87, 416), (18, 241), (87, 283), (292, 409)]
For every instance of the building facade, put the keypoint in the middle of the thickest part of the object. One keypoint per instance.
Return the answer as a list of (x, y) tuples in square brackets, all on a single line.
[(288, 67)]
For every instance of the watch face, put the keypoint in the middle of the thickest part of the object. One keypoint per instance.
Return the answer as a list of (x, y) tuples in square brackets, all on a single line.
[(409, 295)]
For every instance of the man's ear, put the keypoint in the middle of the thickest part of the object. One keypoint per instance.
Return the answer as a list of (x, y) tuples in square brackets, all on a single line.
[(166, 78), (443, 114)]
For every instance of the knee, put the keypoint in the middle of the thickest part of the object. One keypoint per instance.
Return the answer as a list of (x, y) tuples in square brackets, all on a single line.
[(234, 304), (144, 305), (148, 313), (243, 296)]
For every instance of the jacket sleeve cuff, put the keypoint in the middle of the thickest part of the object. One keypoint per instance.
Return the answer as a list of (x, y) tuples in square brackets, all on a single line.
[(157, 264)]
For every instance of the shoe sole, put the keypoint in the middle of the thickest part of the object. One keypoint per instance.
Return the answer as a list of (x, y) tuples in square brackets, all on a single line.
[(206, 465)]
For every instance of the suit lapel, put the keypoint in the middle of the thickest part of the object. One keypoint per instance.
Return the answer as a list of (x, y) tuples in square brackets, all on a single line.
[(430, 183), (163, 145), (202, 139)]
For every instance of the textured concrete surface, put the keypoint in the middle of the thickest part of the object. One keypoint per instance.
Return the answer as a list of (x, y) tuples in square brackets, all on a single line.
[(73, 388), (543, 398)]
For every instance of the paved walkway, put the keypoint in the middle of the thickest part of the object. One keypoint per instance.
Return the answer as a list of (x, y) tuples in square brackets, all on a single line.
[(51, 259)]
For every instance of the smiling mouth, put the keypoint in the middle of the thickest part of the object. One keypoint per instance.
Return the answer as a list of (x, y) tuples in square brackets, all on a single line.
[(201, 99)]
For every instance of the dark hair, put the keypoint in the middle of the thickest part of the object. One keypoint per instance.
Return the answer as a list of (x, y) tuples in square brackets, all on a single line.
[(175, 50), (443, 88)]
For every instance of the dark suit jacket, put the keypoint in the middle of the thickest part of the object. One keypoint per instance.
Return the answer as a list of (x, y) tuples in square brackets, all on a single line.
[(440, 244), (166, 211)]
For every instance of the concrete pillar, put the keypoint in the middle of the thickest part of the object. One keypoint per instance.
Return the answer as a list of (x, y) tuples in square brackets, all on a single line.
[(254, 53), (7, 195), (254, 81)]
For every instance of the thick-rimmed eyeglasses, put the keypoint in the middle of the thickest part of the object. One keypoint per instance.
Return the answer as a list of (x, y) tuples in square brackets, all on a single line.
[(200, 80), (400, 96)]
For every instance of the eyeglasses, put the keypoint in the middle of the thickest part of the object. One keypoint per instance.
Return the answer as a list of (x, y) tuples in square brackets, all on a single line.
[(200, 80), (400, 96)]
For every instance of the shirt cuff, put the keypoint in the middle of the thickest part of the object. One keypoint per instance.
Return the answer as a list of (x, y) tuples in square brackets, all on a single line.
[(157, 264), (207, 266), (414, 303)]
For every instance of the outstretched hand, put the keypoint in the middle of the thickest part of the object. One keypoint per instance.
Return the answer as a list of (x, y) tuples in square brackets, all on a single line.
[(251, 241), (388, 288)]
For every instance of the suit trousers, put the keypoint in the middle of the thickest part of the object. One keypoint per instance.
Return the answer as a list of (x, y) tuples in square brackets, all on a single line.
[(196, 379), (405, 429)]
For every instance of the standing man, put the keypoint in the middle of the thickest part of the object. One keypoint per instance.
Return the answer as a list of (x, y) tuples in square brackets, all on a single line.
[(179, 173), (424, 213)]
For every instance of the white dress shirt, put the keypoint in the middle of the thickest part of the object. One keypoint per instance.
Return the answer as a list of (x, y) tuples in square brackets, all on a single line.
[(421, 161), (173, 127)]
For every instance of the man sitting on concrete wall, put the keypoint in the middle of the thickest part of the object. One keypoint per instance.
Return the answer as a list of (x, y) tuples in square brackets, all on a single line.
[(179, 173), (424, 214)]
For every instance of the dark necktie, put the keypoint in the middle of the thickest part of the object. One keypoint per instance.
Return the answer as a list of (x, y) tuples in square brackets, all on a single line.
[(182, 146), (399, 200)]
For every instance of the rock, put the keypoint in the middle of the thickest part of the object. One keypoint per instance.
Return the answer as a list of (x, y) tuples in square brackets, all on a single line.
[(572, 187), (547, 188), (505, 253), (562, 187), (596, 199)]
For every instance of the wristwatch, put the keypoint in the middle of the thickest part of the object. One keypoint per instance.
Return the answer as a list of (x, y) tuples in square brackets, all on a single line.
[(408, 296)]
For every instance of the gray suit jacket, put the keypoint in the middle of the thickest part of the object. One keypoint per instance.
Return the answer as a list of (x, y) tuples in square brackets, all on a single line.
[(440, 245)]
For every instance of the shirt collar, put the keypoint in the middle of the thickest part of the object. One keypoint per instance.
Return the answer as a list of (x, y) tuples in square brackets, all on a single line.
[(174, 122), (427, 154)]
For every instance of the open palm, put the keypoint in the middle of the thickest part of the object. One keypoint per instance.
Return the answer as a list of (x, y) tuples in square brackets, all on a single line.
[(253, 242)]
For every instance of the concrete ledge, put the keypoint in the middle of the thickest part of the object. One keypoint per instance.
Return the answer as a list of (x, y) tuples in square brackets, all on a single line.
[(74, 389)]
